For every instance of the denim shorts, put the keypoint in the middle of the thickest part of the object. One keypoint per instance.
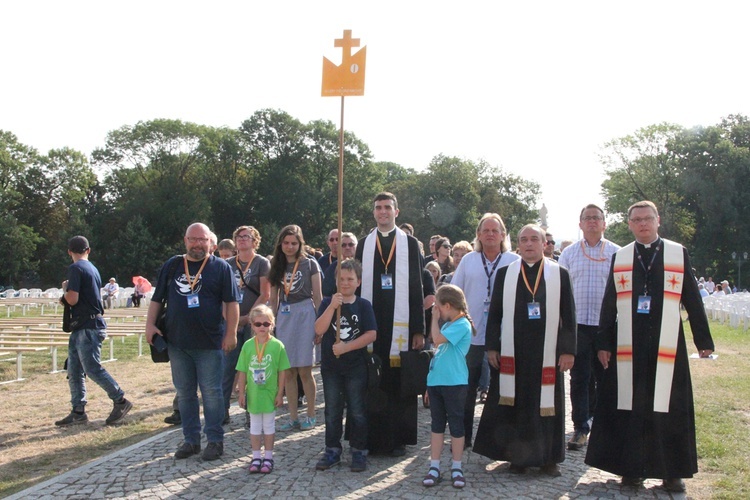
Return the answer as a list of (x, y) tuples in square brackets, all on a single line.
[(447, 406)]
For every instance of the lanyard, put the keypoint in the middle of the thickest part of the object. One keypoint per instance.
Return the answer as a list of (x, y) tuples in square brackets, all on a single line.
[(244, 271), (288, 285), (601, 252), (190, 279), (538, 279), (260, 354), (647, 270), (488, 272), (380, 251)]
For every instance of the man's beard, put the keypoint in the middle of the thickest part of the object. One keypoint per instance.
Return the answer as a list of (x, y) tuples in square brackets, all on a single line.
[(197, 253)]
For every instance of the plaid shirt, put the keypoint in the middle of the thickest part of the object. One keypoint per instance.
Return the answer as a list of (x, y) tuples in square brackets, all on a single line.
[(589, 269)]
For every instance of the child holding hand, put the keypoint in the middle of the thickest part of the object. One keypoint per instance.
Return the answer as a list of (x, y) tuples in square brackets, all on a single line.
[(261, 370), (448, 381)]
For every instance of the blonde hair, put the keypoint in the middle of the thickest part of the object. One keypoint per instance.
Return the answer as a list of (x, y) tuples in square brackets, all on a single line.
[(454, 297), (262, 310)]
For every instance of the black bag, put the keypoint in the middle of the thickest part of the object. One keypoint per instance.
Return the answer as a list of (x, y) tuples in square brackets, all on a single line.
[(67, 318), (415, 365), (374, 367), (162, 356)]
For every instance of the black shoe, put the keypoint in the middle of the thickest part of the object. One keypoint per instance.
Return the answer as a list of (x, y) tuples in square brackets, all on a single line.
[(213, 451), (516, 469), (73, 418), (226, 417), (119, 411), (186, 449), (674, 484), (631, 481), (174, 418), (398, 451)]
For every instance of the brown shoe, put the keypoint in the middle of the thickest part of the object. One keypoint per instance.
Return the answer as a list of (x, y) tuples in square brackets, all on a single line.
[(551, 470), (674, 484), (578, 440)]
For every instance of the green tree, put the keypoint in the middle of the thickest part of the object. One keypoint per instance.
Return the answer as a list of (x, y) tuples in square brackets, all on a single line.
[(644, 166)]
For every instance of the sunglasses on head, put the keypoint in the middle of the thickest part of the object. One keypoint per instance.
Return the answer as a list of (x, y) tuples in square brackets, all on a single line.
[(258, 324)]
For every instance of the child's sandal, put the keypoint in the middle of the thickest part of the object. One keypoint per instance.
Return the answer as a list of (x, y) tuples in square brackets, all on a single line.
[(267, 467), (431, 479), (457, 476), (255, 465)]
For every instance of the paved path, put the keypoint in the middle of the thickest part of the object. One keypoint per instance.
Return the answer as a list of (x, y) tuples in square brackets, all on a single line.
[(148, 470)]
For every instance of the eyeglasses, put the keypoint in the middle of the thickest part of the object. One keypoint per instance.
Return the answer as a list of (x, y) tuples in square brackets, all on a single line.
[(244, 237), (193, 239), (333, 239), (592, 217), (259, 324), (347, 244), (447, 246), (639, 220), (550, 242)]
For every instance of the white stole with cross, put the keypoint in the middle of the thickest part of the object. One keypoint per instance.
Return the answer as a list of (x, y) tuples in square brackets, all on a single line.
[(674, 274), (400, 338)]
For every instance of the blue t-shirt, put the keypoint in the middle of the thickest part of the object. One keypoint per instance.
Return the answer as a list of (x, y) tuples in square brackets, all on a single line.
[(194, 317), (84, 278), (356, 319), (448, 367)]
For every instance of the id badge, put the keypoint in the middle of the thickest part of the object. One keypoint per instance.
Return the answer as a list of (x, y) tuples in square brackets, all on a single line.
[(193, 300), (240, 296), (285, 308), (644, 304), (486, 307), (535, 310), (259, 376), (386, 281)]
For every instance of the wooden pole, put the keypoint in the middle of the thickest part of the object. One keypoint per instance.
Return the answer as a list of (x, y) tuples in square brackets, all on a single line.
[(340, 214)]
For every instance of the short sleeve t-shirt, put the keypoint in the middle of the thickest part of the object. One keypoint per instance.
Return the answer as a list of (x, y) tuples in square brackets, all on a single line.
[(84, 279), (194, 316), (249, 284), (448, 367), (262, 364), (302, 281), (356, 319)]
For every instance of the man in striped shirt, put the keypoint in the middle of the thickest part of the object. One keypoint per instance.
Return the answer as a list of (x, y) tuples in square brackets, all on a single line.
[(588, 262)]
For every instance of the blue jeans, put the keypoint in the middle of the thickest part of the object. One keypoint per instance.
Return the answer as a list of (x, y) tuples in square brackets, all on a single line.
[(349, 386), (474, 360), (85, 357), (584, 375), (230, 365), (193, 368)]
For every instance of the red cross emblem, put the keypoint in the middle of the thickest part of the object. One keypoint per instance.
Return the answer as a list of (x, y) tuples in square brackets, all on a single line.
[(673, 281), (623, 281)]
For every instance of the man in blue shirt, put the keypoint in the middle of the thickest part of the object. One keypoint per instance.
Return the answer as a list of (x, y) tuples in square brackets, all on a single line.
[(202, 287), (82, 293)]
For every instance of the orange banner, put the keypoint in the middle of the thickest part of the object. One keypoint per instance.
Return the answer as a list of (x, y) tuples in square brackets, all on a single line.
[(348, 78)]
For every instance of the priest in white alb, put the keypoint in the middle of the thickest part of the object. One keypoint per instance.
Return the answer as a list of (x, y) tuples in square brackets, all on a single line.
[(644, 426), (530, 342)]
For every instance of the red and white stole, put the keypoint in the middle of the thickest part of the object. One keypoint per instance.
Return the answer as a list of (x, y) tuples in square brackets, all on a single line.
[(507, 341), (674, 273)]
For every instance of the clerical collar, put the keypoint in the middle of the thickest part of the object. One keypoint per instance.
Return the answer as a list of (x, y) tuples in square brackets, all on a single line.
[(533, 263), (387, 234), (649, 245)]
